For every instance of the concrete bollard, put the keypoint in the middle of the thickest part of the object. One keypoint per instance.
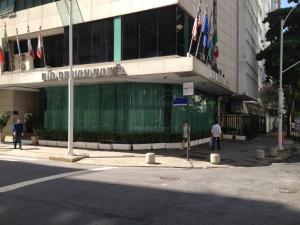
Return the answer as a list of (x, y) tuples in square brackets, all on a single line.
[(150, 158), (260, 154), (273, 152), (215, 158)]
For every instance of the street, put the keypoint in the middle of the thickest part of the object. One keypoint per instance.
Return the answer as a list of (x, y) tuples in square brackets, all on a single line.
[(39, 192)]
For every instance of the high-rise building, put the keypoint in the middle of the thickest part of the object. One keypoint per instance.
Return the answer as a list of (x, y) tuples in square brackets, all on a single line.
[(251, 40), (131, 60)]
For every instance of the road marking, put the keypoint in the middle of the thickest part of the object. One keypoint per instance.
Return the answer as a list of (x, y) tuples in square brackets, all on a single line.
[(16, 158), (44, 179)]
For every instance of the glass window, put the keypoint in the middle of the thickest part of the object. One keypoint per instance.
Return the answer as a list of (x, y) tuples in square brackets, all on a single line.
[(93, 42), (26, 4), (148, 34), (130, 37), (166, 18), (6, 6), (53, 48)]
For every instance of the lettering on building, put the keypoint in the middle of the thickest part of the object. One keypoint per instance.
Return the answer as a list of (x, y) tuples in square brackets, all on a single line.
[(80, 74)]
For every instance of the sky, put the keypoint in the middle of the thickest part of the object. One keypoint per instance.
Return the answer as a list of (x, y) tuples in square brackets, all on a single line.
[(284, 4)]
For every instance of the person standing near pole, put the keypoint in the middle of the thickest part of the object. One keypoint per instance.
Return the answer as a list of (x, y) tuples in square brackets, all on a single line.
[(216, 135), (18, 133), (185, 135)]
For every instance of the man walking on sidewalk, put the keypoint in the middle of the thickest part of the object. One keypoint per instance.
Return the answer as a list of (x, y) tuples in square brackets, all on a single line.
[(215, 135), (18, 132)]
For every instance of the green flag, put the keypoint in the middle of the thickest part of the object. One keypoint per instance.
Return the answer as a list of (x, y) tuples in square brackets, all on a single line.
[(215, 37), (5, 42)]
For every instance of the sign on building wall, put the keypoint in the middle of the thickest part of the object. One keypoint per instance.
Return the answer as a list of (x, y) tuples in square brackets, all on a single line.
[(188, 89), (80, 74)]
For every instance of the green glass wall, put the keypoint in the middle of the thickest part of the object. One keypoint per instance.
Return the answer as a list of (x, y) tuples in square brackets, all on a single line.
[(126, 108)]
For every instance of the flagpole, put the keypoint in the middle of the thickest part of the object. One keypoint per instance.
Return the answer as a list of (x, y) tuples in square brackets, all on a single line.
[(18, 45), (70, 84), (198, 44), (191, 43), (9, 55), (44, 56)]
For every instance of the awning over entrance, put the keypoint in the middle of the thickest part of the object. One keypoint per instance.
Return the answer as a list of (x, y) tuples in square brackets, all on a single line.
[(169, 70)]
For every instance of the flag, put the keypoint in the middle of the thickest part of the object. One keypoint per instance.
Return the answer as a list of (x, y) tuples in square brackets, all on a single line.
[(206, 29), (30, 50), (18, 45), (197, 24), (205, 24), (2, 59), (216, 52), (5, 42), (39, 52)]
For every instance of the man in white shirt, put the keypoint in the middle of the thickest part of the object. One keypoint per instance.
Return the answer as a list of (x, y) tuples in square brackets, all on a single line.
[(215, 135)]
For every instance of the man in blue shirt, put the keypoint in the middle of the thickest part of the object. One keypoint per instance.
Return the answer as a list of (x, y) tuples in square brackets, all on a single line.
[(18, 132)]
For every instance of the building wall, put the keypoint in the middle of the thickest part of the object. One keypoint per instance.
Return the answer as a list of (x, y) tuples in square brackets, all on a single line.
[(251, 39), (51, 17), (227, 26)]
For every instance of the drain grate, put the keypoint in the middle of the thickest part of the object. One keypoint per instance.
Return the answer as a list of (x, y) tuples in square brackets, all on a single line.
[(293, 171), (287, 190), (169, 178)]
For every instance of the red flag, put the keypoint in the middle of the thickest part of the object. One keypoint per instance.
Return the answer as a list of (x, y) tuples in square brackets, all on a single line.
[(39, 52), (30, 50), (197, 24), (2, 59), (216, 52)]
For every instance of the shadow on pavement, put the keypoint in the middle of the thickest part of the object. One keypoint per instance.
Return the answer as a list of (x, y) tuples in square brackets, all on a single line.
[(111, 201)]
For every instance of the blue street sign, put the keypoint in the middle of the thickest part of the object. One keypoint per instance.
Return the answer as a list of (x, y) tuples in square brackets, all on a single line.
[(180, 102)]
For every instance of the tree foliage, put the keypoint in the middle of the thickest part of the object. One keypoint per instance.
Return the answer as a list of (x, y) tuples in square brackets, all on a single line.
[(291, 46), (291, 53)]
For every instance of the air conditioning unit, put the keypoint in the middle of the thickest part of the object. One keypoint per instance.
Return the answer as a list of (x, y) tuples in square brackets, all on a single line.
[(22, 62)]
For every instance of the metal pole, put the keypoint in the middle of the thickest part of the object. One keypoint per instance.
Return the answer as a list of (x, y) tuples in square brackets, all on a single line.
[(70, 84), (280, 94)]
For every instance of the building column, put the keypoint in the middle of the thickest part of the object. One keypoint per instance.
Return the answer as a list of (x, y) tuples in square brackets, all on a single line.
[(117, 39)]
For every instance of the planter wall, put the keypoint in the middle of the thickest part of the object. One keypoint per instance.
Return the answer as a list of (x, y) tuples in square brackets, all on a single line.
[(121, 147), (206, 140), (7, 138), (62, 144), (141, 146), (92, 145), (240, 138), (81, 145), (227, 136), (43, 142), (52, 143), (26, 142), (158, 146), (105, 146), (174, 145)]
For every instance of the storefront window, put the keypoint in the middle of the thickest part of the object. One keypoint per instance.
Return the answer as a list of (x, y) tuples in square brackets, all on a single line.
[(126, 108), (93, 42), (26, 4), (130, 37), (157, 32)]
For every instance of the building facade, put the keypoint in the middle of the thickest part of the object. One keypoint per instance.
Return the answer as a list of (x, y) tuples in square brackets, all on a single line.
[(251, 40), (130, 61)]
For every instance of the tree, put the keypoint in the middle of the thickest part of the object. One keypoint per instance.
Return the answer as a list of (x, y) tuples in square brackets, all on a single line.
[(268, 96), (291, 49)]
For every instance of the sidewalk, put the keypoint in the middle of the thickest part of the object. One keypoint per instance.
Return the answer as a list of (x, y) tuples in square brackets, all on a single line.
[(233, 154)]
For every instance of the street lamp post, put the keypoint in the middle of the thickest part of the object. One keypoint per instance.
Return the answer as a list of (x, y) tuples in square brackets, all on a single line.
[(70, 83), (280, 93)]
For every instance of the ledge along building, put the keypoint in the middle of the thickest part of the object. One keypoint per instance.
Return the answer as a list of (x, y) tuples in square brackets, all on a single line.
[(131, 59)]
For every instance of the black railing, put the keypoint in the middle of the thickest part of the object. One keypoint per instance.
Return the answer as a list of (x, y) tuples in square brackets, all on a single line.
[(243, 124)]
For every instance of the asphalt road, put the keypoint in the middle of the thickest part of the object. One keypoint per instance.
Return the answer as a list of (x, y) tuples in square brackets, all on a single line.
[(53, 193)]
